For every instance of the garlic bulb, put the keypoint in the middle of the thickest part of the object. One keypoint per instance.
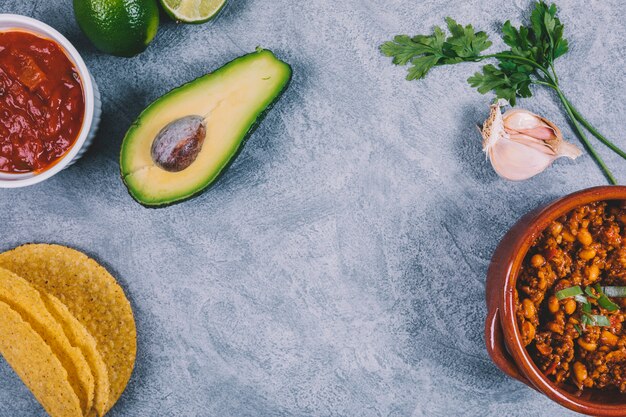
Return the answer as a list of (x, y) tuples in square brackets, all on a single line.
[(521, 144)]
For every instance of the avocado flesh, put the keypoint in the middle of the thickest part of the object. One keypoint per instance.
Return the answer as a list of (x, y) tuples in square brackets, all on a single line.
[(233, 99)]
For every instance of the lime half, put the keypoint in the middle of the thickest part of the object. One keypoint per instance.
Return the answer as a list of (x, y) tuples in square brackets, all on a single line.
[(193, 11)]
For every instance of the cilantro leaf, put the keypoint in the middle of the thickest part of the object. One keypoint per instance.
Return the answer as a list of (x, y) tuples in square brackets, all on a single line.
[(521, 42), (547, 33), (403, 49), (541, 43), (508, 80), (561, 46), (464, 42), (421, 66), (424, 52)]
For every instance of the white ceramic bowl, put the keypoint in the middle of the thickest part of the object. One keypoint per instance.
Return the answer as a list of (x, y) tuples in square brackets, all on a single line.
[(92, 101)]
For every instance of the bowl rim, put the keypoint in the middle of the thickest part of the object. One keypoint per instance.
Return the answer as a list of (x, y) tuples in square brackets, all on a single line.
[(18, 22), (537, 224)]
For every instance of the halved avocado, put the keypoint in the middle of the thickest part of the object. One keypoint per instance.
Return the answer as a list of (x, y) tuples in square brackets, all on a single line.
[(232, 100)]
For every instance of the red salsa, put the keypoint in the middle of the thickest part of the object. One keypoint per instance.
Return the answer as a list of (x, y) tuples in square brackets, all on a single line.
[(41, 102)]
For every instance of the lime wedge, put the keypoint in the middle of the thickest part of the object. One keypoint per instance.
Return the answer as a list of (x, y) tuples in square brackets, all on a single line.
[(193, 11)]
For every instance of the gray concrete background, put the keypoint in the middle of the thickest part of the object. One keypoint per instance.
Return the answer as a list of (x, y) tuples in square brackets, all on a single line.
[(338, 268)]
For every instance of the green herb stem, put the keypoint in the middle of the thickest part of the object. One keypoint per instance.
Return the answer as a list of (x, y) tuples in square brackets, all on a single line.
[(584, 139), (519, 59), (570, 113), (556, 77), (554, 84), (547, 84), (593, 130)]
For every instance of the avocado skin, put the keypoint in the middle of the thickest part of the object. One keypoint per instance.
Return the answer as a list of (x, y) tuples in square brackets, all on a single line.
[(243, 142)]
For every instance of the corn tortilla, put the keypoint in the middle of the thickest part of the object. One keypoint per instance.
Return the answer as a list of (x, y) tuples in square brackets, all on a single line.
[(22, 297), (35, 363), (81, 338), (91, 295)]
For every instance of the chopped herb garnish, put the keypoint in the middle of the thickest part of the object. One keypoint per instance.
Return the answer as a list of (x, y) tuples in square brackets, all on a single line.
[(604, 301), (596, 293), (590, 293), (585, 320), (599, 320), (569, 292), (581, 299), (617, 292), (607, 304)]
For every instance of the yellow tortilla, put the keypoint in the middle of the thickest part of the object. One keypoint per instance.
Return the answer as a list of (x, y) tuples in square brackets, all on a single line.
[(81, 338), (22, 297), (32, 359), (91, 295)]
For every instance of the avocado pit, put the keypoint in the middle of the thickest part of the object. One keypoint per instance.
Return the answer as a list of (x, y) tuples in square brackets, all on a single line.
[(178, 144)]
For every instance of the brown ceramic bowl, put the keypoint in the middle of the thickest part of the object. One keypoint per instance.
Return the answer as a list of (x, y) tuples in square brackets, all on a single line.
[(504, 342)]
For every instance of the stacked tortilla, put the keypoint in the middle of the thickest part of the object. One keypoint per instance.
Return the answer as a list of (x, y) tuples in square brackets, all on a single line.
[(67, 329)]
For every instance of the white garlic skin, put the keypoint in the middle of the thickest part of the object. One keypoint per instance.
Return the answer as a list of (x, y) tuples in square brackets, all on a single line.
[(521, 144)]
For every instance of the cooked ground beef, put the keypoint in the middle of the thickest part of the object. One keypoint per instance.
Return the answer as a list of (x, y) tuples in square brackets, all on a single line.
[(584, 248)]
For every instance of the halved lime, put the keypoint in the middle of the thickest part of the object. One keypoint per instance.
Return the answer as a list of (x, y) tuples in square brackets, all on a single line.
[(193, 11)]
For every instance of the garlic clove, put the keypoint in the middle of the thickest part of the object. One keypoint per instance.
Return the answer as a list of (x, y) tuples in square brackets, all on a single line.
[(569, 150), (526, 122), (520, 119), (532, 142), (516, 161), (521, 144), (540, 132)]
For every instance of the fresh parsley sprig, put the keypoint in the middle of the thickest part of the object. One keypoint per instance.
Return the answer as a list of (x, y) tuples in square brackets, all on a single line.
[(424, 52), (529, 61)]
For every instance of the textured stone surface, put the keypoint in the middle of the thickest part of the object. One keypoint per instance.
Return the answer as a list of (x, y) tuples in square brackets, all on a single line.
[(338, 268)]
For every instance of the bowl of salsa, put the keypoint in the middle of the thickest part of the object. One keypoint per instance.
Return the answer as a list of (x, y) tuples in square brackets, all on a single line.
[(49, 103)]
